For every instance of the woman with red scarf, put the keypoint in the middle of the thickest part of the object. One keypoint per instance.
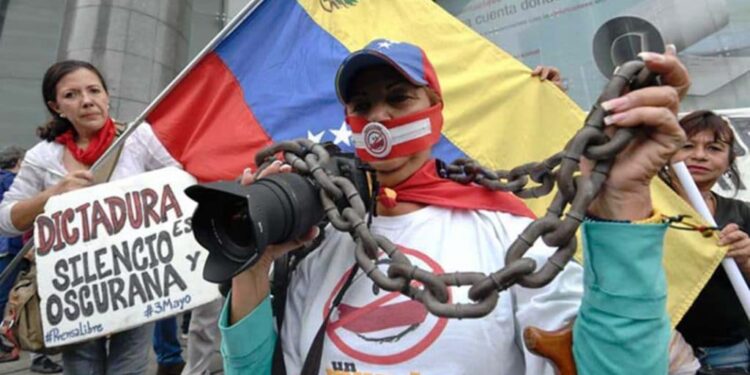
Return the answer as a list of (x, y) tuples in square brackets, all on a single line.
[(393, 103), (79, 132)]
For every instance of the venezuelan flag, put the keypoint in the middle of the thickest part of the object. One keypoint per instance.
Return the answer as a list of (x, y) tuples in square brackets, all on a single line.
[(272, 79)]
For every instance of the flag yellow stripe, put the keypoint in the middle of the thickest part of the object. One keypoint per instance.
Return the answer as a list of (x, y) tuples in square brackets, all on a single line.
[(689, 258), (492, 104)]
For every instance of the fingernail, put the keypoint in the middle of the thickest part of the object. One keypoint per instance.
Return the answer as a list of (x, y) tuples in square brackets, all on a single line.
[(616, 103), (671, 48), (247, 171), (614, 118), (651, 56)]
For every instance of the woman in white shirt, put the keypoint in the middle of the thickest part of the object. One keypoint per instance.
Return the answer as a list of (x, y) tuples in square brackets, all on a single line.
[(79, 132)]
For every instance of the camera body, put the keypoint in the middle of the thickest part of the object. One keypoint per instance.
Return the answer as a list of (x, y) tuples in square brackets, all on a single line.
[(236, 223)]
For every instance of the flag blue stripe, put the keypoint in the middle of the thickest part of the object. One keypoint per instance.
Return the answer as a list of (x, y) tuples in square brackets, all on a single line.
[(286, 65)]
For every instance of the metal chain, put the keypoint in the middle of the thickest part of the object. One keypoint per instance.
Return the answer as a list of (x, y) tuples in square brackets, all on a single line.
[(556, 228)]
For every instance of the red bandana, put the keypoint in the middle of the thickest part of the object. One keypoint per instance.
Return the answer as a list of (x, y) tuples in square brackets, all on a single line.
[(426, 186), (97, 144)]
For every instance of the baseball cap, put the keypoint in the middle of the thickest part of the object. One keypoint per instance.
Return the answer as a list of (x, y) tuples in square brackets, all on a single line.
[(408, 59)]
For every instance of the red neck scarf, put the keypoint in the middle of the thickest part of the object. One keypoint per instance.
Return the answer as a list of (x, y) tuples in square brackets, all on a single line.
[(97, 144), (426, 186)]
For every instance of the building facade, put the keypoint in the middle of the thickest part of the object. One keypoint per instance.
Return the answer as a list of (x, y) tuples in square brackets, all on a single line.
[(139, 46)]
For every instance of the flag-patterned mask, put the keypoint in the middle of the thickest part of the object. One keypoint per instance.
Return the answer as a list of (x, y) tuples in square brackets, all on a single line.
[(397, 137)]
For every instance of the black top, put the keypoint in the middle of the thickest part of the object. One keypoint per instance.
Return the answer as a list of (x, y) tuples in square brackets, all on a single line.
[(716, 318)]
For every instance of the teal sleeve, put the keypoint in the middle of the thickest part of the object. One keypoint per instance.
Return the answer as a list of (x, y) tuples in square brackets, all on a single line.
[(247, 346), (622, 326)]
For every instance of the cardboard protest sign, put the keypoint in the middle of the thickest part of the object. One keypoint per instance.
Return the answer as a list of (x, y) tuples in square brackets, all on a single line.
[(117, 255)]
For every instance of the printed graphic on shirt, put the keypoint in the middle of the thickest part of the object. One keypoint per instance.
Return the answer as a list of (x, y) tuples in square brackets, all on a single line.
[(379, 327)]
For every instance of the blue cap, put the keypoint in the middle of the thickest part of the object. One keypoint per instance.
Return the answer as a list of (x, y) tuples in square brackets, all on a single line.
[(408, 59)]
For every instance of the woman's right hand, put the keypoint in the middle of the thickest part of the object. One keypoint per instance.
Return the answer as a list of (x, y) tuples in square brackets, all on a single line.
[(626, 194), (739, 246), (73, 181), (23, 214), (272, 252), (251, 286)]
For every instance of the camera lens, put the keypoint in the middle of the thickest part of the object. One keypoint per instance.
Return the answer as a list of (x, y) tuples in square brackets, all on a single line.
[(236, 222)]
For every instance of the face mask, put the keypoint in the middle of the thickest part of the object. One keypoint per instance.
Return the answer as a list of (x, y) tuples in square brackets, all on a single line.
[(397, 137)]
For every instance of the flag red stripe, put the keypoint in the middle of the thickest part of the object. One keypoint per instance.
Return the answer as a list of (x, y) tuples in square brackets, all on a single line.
[(206, 116)]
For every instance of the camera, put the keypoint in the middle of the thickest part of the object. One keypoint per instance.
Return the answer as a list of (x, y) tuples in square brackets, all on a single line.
[(236, 222)]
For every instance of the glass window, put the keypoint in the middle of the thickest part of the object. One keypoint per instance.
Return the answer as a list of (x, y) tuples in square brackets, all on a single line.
[(29, 39), (587, 39), (208, 19)]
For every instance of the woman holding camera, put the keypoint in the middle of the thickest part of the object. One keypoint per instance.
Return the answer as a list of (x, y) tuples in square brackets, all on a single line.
[(79, 132), (391, 87)]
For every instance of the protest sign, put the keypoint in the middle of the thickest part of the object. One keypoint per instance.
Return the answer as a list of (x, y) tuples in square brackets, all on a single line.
[(117, 255)]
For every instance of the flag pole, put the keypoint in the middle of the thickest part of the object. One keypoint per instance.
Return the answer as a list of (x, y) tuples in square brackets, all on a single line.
[(244, 13), (730, 267), (248, 9)]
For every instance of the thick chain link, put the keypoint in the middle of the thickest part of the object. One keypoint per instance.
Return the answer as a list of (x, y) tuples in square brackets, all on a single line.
[(556, 228)]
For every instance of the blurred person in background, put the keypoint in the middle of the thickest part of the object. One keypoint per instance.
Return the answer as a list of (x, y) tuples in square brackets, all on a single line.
[(10, 163), (167, 347), (716, 324)]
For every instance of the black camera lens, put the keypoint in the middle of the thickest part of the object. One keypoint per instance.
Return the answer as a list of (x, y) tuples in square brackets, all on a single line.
[(235, 222)]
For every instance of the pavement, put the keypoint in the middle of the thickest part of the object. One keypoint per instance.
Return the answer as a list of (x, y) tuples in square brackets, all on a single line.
[(21, 366)]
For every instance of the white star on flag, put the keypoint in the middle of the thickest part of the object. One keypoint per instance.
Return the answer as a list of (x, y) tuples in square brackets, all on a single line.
[(315, 137), (386, 44), (342, 134)]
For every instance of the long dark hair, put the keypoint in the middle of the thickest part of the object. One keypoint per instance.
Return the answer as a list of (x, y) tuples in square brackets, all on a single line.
[(58, 125), (704, 120)]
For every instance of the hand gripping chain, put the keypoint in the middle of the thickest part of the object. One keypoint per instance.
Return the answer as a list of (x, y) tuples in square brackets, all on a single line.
[(557, 227)]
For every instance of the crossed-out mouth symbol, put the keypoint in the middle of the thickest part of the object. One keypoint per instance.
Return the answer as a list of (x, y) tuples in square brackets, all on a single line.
[(401, 328), (377, 316)]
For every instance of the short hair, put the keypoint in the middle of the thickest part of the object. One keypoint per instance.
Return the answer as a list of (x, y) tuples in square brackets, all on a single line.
[(10, 156)]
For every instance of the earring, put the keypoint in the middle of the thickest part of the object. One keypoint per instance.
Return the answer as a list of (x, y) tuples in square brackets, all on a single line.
[(62, 115)]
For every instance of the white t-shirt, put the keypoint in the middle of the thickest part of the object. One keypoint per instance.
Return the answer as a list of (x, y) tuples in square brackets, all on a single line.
[(43, 168), (379, 332)]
